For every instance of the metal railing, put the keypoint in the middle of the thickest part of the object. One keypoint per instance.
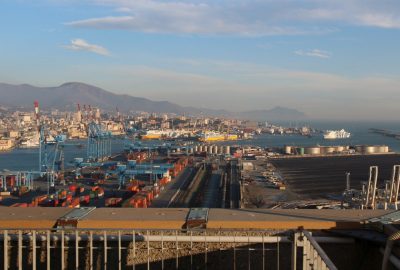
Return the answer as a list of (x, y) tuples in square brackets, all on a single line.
[(158, 249), (314, 257)]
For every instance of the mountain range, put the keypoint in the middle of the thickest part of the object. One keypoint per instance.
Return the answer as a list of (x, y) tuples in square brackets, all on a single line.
[(67, 95)]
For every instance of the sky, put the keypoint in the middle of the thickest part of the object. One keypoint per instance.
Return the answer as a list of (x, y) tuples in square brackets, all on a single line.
[(331, 59)]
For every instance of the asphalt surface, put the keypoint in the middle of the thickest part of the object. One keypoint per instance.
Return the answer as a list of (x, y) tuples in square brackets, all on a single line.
[(322, 177), (169, 191), (234, 185), (211, 196)]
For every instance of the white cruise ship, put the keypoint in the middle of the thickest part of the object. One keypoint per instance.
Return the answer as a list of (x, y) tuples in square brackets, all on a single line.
[(336, 134)]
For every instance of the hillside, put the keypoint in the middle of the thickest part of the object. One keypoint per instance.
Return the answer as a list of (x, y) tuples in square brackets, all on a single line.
[(67, 95)]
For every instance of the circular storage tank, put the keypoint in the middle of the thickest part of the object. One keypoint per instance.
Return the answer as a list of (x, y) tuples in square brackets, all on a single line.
[(227, 150), (330, 150), (339, 148), (370, 149), (312, 150), (205, 148), (221, 150), (288, 150), (383, 149), (215, 149), (210, 149), (359, 148), (300, 150), (196, 148)]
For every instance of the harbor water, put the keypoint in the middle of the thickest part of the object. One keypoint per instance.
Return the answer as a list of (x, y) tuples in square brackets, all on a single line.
[(27, 159)]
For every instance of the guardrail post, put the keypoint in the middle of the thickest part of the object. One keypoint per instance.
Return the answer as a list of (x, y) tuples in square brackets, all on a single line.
[(76, 250), (91, 250), (105, 250), (34, 250), (62, 250), (19, 249), (294, 250), (5, 249), (119, 251)]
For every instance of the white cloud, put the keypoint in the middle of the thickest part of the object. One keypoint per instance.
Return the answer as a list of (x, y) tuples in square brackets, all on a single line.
[(314, 53), (82, 45), (247, 18)]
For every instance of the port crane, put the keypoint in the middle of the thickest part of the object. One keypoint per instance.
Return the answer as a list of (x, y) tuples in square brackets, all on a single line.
[(98, 143), (133, 169), (51, 156)]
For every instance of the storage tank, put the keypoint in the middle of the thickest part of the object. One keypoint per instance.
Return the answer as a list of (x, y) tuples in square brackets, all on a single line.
[(210, 149), (227, 150), (312, 150), (300, 150), (196, 148), (215, 149), (330, 149), (288, 150), (383, 149), (205, 148), (359, 148), (339, 148), (221, 150), (370, 149)]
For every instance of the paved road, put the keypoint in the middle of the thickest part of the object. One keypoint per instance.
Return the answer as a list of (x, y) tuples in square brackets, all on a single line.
[(165, 196), (211, 197), (235, 186)]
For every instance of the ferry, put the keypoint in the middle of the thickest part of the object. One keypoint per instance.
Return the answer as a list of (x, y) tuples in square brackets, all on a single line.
[(153, 135), (336, 134), (164, 134), (216, 136)]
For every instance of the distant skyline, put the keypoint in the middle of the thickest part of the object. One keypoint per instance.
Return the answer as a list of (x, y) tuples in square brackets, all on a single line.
[(333, 59)]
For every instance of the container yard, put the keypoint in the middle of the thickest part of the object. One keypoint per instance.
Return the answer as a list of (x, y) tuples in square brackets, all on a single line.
[(224, 200)]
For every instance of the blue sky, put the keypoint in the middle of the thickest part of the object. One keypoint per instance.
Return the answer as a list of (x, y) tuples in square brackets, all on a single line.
[(334, 59)]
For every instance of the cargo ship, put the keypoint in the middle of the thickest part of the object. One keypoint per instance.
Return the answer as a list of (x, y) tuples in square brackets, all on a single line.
[(336, 134), (216, 136), (165, 134), (153, 135)]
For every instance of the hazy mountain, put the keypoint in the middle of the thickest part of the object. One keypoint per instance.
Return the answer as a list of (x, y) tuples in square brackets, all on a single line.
[(67, 95)]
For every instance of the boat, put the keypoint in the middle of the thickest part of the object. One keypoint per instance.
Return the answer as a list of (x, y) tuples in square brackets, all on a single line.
[(216, 136), (153, 135), (30, 143), (336, 134), (165, 134)]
